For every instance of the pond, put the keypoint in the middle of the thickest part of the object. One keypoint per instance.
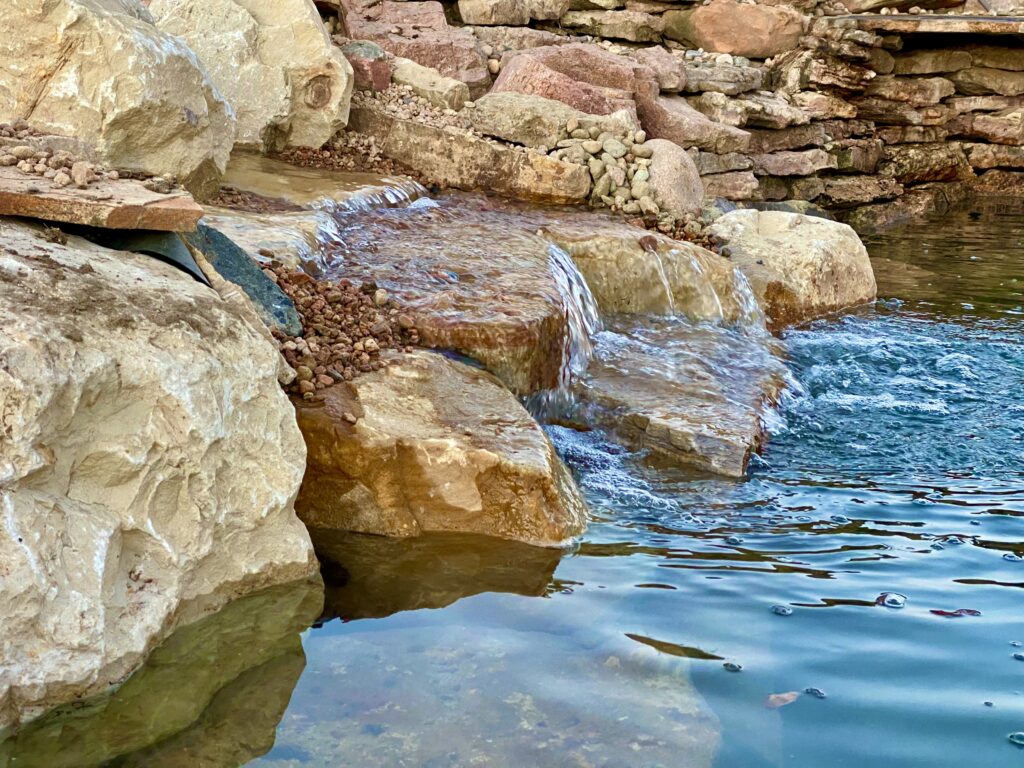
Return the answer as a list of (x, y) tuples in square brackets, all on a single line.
[(855, 600)]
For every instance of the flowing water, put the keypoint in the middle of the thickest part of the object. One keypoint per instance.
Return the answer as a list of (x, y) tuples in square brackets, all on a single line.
[(855, 600)]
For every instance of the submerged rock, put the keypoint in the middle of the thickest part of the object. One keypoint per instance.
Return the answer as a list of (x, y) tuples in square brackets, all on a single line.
[(274, 62), (103, 72), (149, 464), (436, 446), (800, 267)]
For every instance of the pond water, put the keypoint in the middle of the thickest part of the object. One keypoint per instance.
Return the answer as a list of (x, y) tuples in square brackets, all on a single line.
[(897, 467), (786, 620)]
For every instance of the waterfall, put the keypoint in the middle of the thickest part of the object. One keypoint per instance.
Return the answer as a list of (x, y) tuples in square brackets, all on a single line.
[(582, 322)]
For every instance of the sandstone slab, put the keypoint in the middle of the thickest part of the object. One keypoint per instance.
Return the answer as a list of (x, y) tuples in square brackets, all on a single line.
[(932, 61), (443, 92), (725, 26), (980, 81), (916, 91), (995, 156), (668, 68), (150, 463), (735, 185), (120, 204), (151, 108), (436, 446), (672, 118), (917, 163), (793, 163), (695, 396), (800, 267), (634, 26)]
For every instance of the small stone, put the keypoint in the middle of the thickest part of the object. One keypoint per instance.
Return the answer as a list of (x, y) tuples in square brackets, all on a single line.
[(304, 373), (23, 152), (349, 417), (642, 151), (592, 147), (1017, 739), (380, 297), (113, 175), (573, 124), (640, 137), (81, 174), (494, 66), (8, 160), (306, 387), (648, 206), (615, 148)]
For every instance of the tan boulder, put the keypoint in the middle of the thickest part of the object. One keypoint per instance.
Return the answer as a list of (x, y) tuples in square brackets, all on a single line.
[(800, 267), (150, 463), (1003, 127), (694, 395), (104, 73), (443, 92), (436, 446), (916, 91), (732, 185), (917, 163), (274, 62), (931, 61), (669, 70), (824, 106), (803, 163), (635, 271), (726, 26), (674, 179), (997, 57), (535, 121)]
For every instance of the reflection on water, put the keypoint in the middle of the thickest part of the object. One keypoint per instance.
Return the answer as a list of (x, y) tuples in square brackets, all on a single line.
[(899, 469), (210, 695)]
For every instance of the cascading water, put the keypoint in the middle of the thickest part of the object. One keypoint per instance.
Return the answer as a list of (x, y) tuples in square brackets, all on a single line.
[(392, 193)]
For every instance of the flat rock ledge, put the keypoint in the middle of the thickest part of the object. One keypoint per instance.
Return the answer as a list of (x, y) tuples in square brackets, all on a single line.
[(429, 444)]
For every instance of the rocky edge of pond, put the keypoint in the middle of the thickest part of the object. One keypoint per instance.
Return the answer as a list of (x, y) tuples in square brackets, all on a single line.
[(163, 437)]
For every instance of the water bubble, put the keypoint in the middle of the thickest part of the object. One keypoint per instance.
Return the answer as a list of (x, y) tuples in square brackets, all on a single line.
[(840, 519), (1013, 558), (782, 610), (1017, 739), (1016, 643), (1019, 656), (734, 540), (989, 703), (731, 666), (815, 692)]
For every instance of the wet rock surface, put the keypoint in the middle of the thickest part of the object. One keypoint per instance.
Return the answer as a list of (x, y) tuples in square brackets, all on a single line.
[(430, 444)]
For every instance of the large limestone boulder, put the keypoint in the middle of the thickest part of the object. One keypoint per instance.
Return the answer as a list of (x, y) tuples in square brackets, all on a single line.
[(436, 446), (726, 26), (274, 62), (102, 72), (800, 267), (148, 469)]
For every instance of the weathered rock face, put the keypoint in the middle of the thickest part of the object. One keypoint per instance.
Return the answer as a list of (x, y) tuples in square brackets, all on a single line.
[(672, 118), (443, 92), (274, 62), (102, 72), (725, 26), (437, 446), (800, 267), (149, 466)]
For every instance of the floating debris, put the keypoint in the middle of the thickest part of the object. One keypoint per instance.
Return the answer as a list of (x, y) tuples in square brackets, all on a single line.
[(782, 610), (815, 692), (1013, 558), (891, 600), (778, 700), (731, 666), (955, 614), (1017, 738), (1019, 656)]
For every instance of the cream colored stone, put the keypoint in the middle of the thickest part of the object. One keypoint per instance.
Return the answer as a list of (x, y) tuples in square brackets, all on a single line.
[(274, 62), (437, 446), (443, 92), (800, 267), (635, 271), (148, 469), (102, 72)]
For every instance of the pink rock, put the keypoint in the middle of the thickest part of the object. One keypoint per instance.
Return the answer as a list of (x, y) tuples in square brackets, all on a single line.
[(672, 118), (370, 65), (725, 26), (528, 74)]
